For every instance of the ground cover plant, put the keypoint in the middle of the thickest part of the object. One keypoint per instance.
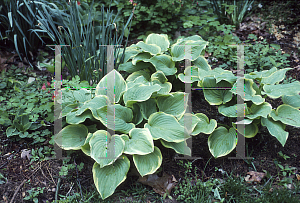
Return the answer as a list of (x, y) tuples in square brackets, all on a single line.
[(29, 174)]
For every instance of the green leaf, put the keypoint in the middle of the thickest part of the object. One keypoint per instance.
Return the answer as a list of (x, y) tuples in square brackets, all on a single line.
[(164, 63), (221, 142), (153, 49), (276, 91), (276, 129), (10, 130), (287, 115), (122, 116), (249, 131), (140, 142), (160, 40), (104, 148), (149, 163), (179, 147), (166, 127), (173, 103), (71, 137), (113, 174), (216, 96), (113, 80), (276, 46), (178, 50), (139, 93)]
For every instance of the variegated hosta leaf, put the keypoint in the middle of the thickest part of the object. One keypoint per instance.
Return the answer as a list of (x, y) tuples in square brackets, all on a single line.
[(210, 73), (179, 147), (113, 174), (249, 130), (160, 40), (202, 63), (134, 75), (174, 104), (130, 68), (139, 93), (69, 108), (71, 137), (226, 76), (160, 79), (221, 142), (121, 116), (189, 122), (141, 57), (86, 147), (237, 110), (113, 80), (137, 115), (216, 96), (149, 163), (246, 91), (140, 142), (189, 78), (72, 118), (293, 101), (96, 103), (275, 77), (179, 49), (261, 74), (148, 107), (276, 91), (204, 125), (104, 148), (153, 49), (287, 115), (165, 126), (164, 63), (259, 110), (276, 129), (130, 53)]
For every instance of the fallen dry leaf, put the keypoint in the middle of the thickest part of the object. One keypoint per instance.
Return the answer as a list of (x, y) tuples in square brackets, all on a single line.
[(160, 185), (254, 177)]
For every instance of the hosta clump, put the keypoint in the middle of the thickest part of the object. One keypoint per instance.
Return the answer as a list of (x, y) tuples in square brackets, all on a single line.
[(156, 54), (145, 110), (257, 111)]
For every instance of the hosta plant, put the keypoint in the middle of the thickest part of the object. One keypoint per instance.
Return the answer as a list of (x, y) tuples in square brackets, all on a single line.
[(145, 112), (156, 54), (257, 86)]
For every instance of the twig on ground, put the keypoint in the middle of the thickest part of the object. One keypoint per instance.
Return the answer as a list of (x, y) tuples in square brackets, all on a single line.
[(18, 188), (51, 176), (16, 191)]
